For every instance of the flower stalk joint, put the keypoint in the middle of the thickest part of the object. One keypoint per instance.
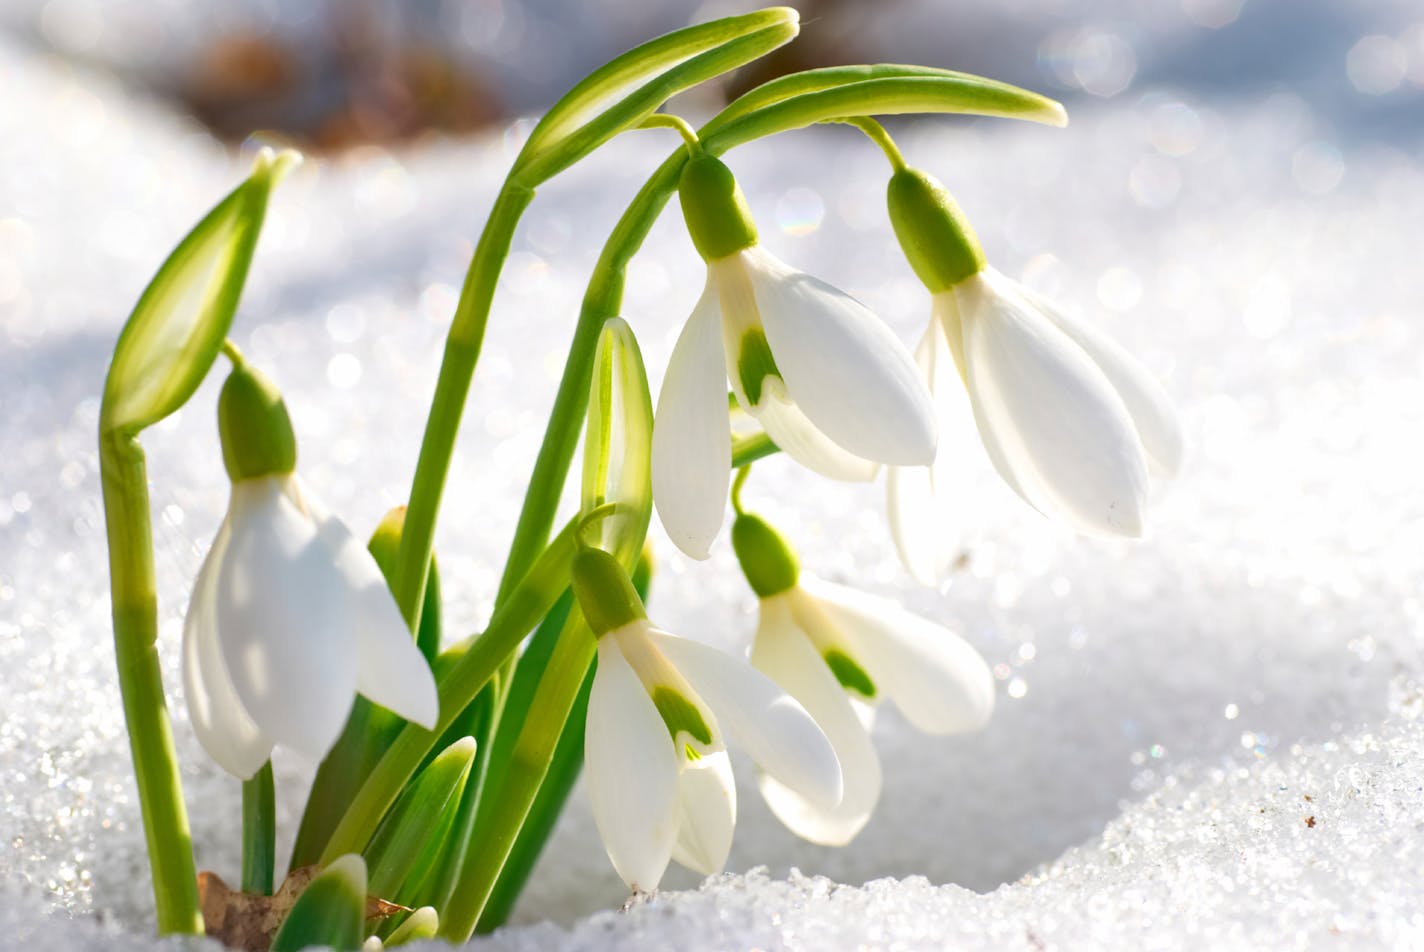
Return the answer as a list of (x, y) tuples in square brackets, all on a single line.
[(716, 211), (256, 432), (937, 238), (767, 560), (604, 591)]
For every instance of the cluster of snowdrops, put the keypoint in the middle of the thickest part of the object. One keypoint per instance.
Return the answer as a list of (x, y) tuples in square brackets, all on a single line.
[(443, 766)]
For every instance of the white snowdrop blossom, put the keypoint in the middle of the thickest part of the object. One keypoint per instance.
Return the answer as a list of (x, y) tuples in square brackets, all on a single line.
[(828, 381), (1068, 418), (656, 765), (290, 616), (841, 652)]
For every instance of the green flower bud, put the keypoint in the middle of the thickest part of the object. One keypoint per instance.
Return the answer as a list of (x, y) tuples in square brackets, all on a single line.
[(257, 438), (938, 240), (604, 591), (768, 562), (716, 211)]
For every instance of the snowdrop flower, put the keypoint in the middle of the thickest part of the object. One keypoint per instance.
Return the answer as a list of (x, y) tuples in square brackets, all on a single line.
[(1069, 419), (290, 617), (840, 652), (830, 384), (657, 770)]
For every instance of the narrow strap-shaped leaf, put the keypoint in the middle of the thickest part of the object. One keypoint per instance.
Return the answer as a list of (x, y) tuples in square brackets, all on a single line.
[(629, 88), (177, 328), (330, 912), (939, 92), (618, 444), (416, 816)]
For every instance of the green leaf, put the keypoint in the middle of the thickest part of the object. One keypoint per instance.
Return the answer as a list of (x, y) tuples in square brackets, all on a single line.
[(331, 911), (631, 87), (408, 828), (617, 447), (177, 328), (803, 99)]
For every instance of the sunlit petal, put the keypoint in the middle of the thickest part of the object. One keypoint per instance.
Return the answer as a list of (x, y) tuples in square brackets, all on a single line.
[(631, 770), (286, 621), (1053, 424), (845, 369), (784, 654), (692, 440), (789, 429), (223, 727), (936, 679), (706, 813), (771, 725)]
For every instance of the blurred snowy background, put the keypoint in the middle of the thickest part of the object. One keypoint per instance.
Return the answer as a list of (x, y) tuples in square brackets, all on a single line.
[(1208, 739)]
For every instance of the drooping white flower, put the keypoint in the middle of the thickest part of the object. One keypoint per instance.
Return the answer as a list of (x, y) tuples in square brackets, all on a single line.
[(658, 775), (290, 617), (1067, 417), (830, 384), (841, 652)]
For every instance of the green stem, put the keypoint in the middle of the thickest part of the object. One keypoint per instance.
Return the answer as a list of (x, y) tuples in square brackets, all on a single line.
[(666, 120), (259, 832), (135, 609), (457, 368), (876, 133)]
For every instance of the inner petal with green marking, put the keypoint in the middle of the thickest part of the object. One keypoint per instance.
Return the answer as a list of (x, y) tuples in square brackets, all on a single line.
[(681, 716), (850, 674), (755, 364)]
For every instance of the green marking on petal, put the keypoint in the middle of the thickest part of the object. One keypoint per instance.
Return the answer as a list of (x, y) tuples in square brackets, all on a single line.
[(680, 715), (691, 753), (851, 675), (755, 364)]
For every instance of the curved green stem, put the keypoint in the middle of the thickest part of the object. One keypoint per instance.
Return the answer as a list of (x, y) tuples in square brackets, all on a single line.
[(135, 607), (876, 133), (665, 120), (457, 368)]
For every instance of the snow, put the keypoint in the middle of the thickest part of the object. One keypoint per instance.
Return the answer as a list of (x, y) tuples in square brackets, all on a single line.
[(1210, 738)]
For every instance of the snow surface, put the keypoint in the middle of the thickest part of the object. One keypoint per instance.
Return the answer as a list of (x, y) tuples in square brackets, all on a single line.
[(1207, 739)]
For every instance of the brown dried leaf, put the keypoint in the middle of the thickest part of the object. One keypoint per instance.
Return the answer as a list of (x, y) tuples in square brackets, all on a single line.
[(248, 922)]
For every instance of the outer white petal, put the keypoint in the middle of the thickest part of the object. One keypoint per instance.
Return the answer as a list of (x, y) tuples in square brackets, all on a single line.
[(1052, 422), (1146, 399), (773, 726), (789, 428), (223, 727), (924, 504), (692, 439), (845, 369), (784, 654), (390, 670), (631, 771), (706, 813), (286, 620), (936, 678)]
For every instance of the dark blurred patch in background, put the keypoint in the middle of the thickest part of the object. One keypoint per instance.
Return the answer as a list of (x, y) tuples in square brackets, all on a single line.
[(328, 74)]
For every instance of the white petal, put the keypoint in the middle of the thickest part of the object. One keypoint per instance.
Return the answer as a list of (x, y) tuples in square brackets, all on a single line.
[(1152, 411), (936, 678), (692, 438), (783, 653), (925, 504), (223, 727), (706, 813), (631, 771), (790, 430), (774, 728), (390, 670), (286, 620), (1053, 424), (845, 369)]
